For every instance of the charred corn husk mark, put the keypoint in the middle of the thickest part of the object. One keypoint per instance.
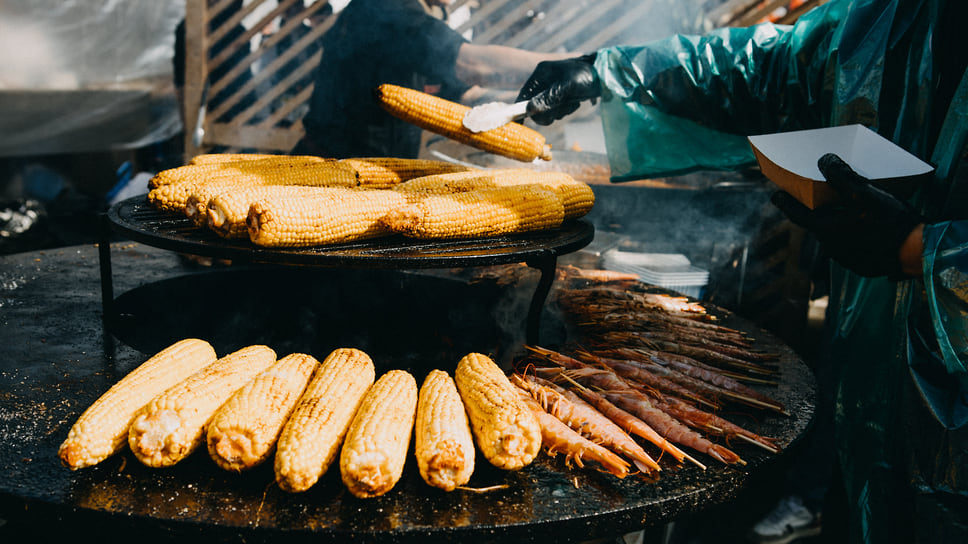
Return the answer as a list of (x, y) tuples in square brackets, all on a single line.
[(375, 449), (312, 437), (172, 425), (443, 443), (444, 117), (505, 430), (102, 429), (243, 433)]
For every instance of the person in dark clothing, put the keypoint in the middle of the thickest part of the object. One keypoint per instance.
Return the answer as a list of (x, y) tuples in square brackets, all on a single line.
[(398, 42)]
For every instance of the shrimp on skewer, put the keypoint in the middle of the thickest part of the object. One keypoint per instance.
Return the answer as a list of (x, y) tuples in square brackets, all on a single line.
[(557, 437), (636, 372), (584, 418), (619, 392), (699, 419), (633, 425), (656, 375)]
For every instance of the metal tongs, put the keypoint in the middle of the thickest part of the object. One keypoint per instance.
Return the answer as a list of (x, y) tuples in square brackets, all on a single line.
[(492, 115)]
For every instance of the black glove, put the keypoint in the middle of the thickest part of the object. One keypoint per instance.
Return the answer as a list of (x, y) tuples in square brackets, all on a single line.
[(556, 88), (864, 229)]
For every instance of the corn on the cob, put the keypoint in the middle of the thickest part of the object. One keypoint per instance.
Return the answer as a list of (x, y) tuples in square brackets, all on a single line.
[(491, 211), (102, 429), (311, 438), (375, 449), (386, 172), (506, 431), (443, 443), (446, 118), (228, 164), (243, 432), (265, 158), (320, 217), (172, 425), (206, 183), (577, 197), (227, 212)]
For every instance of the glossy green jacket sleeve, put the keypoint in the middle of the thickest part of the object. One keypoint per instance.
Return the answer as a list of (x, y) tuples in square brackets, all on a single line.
[(688, 102)]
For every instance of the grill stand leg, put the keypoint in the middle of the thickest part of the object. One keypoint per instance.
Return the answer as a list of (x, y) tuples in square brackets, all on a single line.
[(547, 264), (107, 281)]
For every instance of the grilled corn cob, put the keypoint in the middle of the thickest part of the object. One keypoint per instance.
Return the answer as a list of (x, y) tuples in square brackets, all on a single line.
[(386, 172), (229, 164), (375, 449), (265, 158), (311, 438), (506, 431), (102, 430), (205, 183), (320, 217), (172, 425), (577, 197), (227, 212), (491, 211), (446, 118), (443, 443), (243, 432)]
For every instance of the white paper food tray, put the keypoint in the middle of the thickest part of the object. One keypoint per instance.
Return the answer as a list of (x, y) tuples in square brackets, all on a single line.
[(789, 159)]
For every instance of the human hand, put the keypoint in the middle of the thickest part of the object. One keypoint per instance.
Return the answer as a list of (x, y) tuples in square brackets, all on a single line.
[(557, 88), (864, 230)]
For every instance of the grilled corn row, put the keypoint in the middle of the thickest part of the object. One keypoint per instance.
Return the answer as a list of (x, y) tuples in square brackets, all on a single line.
[(204, 184), (172, 425), (375, 450), (320, 217), (446, 118), (506, 432), (102, 429), (491, 211), (387, 172), (443, 443), (243, 432), (577, 197), (311, 438)]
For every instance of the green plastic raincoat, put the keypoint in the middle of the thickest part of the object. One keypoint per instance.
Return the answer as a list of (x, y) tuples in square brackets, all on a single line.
[(901, 348)]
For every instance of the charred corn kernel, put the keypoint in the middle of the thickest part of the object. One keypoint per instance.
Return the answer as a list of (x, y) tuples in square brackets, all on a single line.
[(577, 197), (443, 443), (205, 183), (506, 432), (320, 217), (311, 438), (172, 425), (376, 445), (243, 432), (387, 172), (102, 429), (491, 211), (446, 118)]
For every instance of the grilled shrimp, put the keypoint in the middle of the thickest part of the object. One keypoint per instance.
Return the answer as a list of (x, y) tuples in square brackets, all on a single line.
[(557, 437), (584, 418)]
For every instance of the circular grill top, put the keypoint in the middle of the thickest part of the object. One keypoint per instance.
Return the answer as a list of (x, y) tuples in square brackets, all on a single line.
[(138, 220)]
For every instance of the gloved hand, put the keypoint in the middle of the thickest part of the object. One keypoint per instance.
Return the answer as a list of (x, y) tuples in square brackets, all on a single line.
[(864, 230), (556, 88)]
